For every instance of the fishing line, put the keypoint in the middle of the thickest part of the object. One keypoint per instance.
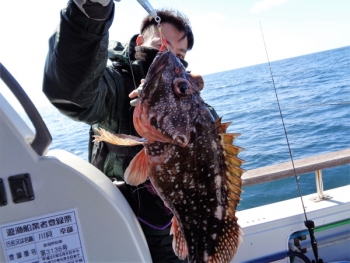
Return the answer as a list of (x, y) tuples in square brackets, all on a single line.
[(164, 45), (130, 64), (284, 126), (308, 223), (163, 42)]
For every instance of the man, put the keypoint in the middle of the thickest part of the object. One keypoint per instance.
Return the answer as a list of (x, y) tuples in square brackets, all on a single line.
[(80, 85)]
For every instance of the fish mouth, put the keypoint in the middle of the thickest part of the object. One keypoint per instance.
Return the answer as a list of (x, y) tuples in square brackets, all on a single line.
[(159, 63), (166, 132), (146, 127), (156, 135), (147, 130)]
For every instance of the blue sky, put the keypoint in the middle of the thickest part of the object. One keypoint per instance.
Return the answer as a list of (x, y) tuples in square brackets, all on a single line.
[(227, 33)]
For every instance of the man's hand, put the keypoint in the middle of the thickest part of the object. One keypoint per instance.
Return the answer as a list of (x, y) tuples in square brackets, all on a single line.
[(136, 93), (95, 9), (80, 3)]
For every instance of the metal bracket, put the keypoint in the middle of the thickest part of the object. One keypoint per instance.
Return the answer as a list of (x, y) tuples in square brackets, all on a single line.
[(21, 188), (319, 185)]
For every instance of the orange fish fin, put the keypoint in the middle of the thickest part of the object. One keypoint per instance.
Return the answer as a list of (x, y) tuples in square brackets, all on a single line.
[(232, 149), (233, 187), (231, 238), (179, 243), (117, 139), (136, 173), (221, 127), (228, 138), (235, 170), (233, 160)]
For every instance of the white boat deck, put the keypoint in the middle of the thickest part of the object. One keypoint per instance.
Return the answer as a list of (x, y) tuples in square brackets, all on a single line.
[(267, 229)]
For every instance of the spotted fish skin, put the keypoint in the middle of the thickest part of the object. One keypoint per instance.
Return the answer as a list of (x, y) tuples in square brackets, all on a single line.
[(186, 162), (190, 161)]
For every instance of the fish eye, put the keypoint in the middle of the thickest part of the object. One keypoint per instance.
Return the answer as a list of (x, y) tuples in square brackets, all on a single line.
[(182, 87)]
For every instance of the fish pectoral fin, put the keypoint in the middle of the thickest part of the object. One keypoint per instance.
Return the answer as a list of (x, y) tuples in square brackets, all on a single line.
[(136, 173), (179, 243), (117, 139)]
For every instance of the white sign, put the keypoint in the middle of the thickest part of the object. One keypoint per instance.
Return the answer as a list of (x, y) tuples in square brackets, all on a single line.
[(50, 238)]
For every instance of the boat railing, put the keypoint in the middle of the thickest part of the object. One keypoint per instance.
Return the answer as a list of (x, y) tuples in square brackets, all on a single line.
[(302, 166)]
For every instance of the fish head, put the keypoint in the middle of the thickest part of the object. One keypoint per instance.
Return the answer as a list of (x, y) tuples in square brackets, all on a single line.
[(169, 103)]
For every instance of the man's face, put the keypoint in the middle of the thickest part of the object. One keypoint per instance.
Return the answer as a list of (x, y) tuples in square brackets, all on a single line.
[(151, 38)]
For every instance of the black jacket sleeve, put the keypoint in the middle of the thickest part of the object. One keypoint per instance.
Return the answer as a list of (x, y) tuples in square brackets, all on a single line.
[(76, 80)]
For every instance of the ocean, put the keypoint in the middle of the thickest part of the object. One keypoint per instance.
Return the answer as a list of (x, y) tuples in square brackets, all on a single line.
[(314, 96)]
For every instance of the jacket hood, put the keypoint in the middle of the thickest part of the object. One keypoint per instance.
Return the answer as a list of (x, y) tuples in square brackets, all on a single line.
[(121, 53), (140, 57)]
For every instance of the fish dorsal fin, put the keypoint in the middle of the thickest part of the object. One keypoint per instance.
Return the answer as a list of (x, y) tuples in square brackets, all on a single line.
[(136, 173), (233, 160), (221, 127), (232, 233), (228, 138), (179, 243)]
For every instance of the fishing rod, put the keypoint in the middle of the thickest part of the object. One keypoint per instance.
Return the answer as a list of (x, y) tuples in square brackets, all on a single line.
[(147, 6), (310, 225)]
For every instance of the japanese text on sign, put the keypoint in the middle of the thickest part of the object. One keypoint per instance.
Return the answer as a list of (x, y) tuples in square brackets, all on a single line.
[(48, 238)]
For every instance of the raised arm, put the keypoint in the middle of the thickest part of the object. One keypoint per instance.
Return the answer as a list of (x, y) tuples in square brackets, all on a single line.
[(76, 80)]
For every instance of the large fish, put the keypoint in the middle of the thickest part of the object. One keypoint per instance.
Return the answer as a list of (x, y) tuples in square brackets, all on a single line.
[(189, 159)]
